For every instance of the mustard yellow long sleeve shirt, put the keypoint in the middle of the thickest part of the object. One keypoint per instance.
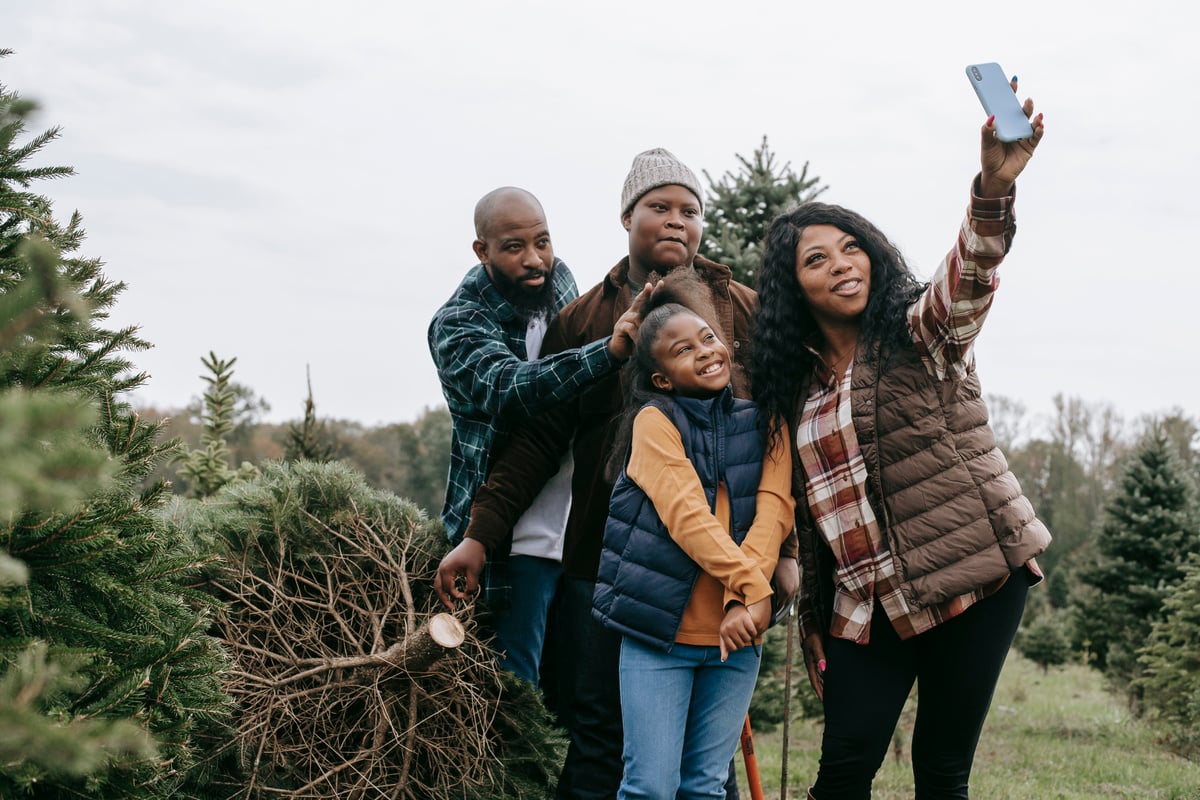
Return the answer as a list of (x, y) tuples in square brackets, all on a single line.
[(660, 467)]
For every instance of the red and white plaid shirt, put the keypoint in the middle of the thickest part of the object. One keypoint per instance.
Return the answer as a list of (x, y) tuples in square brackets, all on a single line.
[(944, 323)]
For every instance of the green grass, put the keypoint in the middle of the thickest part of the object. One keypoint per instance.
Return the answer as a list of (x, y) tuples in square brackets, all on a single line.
[(1049, 736)]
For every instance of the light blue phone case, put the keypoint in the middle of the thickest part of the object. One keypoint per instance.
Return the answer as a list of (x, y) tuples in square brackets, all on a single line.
[(996, 94)]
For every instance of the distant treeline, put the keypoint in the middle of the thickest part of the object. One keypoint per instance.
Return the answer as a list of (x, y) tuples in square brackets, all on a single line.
[(410, 459), (1068, 465)]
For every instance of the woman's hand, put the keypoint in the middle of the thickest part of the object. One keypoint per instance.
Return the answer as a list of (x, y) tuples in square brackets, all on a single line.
[(760, 615), (786, 580), (1001, 162), (814, 659)]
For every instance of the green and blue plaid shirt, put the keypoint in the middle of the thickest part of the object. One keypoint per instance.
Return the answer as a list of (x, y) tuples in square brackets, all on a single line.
[(477, 340)]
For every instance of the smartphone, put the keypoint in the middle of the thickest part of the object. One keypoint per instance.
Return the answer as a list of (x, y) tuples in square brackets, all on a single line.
[(996, 94)]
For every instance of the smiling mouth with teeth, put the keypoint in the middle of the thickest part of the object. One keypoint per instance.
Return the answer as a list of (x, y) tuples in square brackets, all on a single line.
[(711, 368)]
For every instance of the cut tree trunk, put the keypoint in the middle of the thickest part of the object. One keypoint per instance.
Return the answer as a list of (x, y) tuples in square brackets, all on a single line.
[(427, 644)]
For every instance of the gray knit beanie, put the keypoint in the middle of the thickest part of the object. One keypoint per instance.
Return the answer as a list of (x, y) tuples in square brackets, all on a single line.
[(655, 168)]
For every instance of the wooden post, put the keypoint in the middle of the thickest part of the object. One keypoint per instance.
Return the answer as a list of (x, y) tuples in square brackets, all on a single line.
[(787, 702)]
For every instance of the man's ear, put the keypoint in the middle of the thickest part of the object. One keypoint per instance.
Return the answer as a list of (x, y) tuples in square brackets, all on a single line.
[(627, 220), (480, 249), (660, 381)]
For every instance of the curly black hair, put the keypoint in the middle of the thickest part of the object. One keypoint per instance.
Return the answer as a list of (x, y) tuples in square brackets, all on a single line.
[(784, 323)]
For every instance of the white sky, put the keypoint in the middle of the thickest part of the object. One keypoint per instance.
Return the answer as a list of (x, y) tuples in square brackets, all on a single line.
[(292, 183)]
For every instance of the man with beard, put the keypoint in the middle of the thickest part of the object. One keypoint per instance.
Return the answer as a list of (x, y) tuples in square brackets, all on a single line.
[(485, 341)]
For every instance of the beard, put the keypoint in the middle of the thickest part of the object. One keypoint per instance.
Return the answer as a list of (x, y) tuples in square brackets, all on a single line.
[(527, 303)]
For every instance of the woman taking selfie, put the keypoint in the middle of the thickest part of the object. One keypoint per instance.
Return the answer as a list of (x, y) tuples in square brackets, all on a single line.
[(917, 546)]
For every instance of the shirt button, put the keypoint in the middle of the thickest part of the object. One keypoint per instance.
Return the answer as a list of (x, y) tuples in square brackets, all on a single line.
[(736, 344)]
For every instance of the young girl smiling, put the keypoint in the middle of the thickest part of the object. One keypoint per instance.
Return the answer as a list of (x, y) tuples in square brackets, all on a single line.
[(697, 516)]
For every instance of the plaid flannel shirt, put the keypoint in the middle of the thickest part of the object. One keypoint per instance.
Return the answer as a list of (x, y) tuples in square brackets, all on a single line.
[(477, 340), (944, 323)]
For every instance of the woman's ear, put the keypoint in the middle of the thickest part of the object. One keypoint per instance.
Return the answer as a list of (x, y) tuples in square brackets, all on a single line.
[(627, 220), (660, 381)]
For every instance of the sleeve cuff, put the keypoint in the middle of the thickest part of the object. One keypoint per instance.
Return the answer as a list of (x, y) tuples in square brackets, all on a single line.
[(596, 359), (806, 623), (749, 599), (488, 529), (790, 548), (990, 216)]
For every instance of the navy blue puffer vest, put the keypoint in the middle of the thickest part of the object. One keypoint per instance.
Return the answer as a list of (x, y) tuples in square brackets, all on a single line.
[(645, 579)]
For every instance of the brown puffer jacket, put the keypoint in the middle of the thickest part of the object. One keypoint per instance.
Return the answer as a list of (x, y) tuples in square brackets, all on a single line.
[(953, 513)]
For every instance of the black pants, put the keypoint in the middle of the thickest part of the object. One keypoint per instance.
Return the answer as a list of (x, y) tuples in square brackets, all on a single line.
[(592, 653), (955, 666)]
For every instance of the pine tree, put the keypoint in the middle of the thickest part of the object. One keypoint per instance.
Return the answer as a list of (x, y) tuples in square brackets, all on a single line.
[(739, 208), (102, 586), (1171, 661), (47, 461), (1044, 640), (1149, 528), (207, 469), (310, 440), (322, 577)]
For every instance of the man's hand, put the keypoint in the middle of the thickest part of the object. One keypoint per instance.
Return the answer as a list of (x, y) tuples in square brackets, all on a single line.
[(466, 562), (624, 335)]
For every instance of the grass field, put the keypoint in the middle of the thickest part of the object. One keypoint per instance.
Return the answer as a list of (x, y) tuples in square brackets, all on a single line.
[(1056, 735)]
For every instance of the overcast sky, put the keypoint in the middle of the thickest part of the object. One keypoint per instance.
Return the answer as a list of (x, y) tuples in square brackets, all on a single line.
[(292, 183)]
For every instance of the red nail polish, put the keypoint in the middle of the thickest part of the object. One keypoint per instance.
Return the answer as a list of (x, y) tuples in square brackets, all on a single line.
[(991, 119), (821, 665)]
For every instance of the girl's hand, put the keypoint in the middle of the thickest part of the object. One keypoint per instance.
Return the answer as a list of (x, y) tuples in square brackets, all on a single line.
[(738, 628), (814, 659), (1001, 162)]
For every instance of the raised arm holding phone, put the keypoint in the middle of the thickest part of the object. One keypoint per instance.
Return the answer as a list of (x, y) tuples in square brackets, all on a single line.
[(917, 546)]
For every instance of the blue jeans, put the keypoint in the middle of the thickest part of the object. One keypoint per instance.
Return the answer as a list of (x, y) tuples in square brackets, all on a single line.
[(683, 714), (520, 626)]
